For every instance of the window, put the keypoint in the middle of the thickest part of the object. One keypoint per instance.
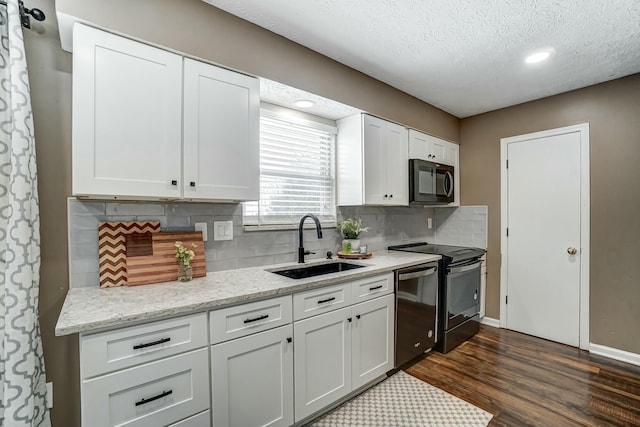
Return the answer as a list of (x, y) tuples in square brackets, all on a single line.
[(297, 172)]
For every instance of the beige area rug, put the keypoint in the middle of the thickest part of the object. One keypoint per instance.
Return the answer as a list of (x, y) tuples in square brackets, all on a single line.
[(404, 401)]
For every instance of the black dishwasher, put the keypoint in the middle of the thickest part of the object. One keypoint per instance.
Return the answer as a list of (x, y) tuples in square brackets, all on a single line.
[(416, 311)]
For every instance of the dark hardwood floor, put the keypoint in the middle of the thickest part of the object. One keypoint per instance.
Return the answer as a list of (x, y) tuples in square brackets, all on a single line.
[(523, 380)]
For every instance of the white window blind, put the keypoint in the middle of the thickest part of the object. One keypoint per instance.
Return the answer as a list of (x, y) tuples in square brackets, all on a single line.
[(297, 172)]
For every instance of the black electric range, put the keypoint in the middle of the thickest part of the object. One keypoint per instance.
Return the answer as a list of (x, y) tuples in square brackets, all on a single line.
[(459, 291)]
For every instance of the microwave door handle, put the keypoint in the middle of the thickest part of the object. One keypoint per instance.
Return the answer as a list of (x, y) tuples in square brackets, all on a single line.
[(448, 180), (415, 275)]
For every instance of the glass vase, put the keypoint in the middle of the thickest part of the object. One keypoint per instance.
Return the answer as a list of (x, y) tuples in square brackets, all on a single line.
[(185, 273)]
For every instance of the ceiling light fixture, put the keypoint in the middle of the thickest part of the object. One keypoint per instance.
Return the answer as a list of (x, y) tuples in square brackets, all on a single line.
[(303, 103), (538, 57)]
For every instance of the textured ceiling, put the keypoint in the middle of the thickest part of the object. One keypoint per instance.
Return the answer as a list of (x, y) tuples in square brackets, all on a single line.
[(465, 57)]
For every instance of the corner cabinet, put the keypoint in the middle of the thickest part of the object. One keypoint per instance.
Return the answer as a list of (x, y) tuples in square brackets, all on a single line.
[(437, 150), (150, 124), (372, 159)]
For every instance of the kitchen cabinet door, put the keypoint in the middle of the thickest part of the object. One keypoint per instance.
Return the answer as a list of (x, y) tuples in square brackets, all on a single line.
[(322, 361), (127, 117), (372, 339), (252, 380), (221, 133), (397, 157), (375, 161), (427, 147), (385, 162)]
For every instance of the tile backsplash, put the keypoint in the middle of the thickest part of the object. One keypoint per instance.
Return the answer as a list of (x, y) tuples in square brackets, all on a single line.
[(387, 225), (463, 226)]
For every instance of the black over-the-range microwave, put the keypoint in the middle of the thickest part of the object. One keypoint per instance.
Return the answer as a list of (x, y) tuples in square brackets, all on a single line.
[(430, 183)]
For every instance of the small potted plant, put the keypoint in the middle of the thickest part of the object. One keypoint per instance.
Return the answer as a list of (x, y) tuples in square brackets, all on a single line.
[(351, 229), (184, 257)]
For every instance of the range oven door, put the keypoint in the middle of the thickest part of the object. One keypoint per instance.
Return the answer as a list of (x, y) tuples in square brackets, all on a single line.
[(462, 292), (430, 183)]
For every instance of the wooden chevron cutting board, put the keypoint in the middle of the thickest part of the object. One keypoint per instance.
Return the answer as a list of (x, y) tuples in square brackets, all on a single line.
[(112, 249), (162, 265)]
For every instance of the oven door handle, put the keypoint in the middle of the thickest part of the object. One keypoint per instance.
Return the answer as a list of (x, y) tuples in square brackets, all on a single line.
[(415, 275), (462, 269)]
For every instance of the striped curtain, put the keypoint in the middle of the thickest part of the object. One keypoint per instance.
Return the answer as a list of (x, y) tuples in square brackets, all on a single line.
[(22, 376)]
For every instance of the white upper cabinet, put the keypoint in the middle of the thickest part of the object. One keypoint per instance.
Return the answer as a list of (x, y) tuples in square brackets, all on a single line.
[(145, 128), (372, 162), (127, 117), (427, 147), (221, 133)]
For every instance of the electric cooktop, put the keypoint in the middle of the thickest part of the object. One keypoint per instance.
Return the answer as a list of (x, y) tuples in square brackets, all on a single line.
[(451, 254)]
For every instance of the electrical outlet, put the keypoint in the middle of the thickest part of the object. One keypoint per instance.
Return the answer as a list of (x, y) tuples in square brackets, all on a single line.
[(429, 223), (49, 398), (202, 226)]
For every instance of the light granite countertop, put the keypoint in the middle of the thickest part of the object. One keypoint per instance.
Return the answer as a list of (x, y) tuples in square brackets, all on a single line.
[(96, 309)]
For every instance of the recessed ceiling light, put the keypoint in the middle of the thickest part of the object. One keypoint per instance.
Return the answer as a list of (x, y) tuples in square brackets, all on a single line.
[(303, 103), (538, 57)]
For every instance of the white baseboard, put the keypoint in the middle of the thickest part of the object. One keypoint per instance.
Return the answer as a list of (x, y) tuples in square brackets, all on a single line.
[(490, 322), (614, 353)]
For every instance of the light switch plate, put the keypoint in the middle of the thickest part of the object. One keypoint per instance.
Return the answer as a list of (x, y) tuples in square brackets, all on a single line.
[(429, 223), (222, 230), (202, 226)]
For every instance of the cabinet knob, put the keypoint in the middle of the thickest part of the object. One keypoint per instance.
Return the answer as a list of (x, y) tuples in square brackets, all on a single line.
[(289, 339), (385, 196), (390, 196), (174, 182), (357, 316), (192, 183), (349, 319)]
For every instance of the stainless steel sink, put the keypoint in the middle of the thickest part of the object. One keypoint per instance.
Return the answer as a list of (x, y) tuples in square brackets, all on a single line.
[(316, 270)]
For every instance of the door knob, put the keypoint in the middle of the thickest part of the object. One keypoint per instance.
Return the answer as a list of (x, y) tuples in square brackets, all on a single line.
[(572, 251)]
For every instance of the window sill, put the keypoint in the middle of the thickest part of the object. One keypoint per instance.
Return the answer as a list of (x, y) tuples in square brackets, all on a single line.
[(281, 227)]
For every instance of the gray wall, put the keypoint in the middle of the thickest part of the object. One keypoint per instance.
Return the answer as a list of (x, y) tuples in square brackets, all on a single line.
[(613, 112)]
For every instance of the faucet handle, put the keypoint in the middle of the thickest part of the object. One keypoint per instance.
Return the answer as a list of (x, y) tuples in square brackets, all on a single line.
[(329, 255)]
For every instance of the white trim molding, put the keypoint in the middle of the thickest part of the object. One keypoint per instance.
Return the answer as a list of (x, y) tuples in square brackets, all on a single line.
[(614, 353), (585, 206), (490, 321)]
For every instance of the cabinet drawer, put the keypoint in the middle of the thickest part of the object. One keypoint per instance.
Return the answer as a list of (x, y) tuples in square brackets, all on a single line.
[(245, 319), (317, 301), (122, 348), (372, 287), (155, 394), (203, 419)]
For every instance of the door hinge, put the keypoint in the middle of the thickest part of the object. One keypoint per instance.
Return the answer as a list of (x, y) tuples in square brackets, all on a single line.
[(506, 299), (507, 231), (507, 163)]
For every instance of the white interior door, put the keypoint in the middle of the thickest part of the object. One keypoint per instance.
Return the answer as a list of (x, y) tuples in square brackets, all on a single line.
[(543, 241)]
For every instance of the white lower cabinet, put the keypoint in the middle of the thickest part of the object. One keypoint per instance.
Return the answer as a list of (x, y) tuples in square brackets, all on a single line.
[(252, 380), (272, 362), (322, 361), (341, 351), (372, 340), (150, 395)]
